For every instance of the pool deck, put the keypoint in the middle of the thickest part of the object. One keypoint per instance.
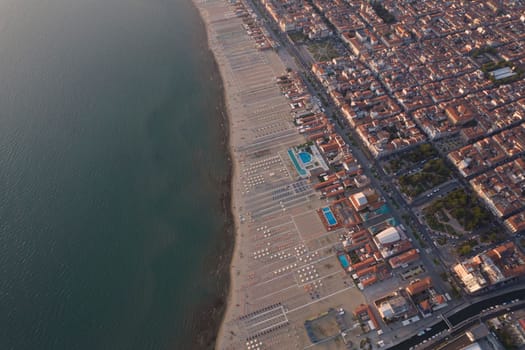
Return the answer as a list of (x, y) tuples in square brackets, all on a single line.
[(283, 269), (305, 166), (329, 215), (301, 171)]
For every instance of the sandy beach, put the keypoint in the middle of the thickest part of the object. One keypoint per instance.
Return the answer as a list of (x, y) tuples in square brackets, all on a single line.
[(283, 257), (218, 17), (213, 13)]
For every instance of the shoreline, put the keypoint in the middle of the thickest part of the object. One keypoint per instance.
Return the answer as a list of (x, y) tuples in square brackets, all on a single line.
[(234, 176)]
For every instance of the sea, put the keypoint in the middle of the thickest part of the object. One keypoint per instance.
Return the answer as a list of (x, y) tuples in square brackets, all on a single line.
[(115, 223)]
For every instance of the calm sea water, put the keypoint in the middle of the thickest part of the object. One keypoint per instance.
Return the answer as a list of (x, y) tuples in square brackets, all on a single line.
[(113, 176)]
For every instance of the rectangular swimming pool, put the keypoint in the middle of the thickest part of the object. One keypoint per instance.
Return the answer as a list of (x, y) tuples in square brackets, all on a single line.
[(344, 261), (330, 218)]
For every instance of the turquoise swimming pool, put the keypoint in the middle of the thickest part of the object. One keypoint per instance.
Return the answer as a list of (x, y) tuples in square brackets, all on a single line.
[(330, 218), (305, 157), (344, 261)]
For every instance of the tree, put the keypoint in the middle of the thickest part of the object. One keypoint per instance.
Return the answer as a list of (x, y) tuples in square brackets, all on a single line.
[(464, 250)]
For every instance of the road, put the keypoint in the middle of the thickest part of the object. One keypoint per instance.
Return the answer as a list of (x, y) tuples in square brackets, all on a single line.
[(437, 191)]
